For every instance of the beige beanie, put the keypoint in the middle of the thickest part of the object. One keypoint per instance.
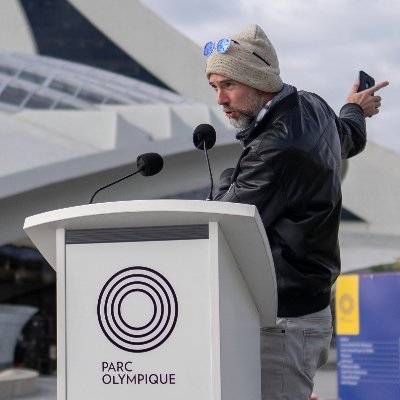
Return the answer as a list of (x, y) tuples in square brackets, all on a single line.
[(241, 64)]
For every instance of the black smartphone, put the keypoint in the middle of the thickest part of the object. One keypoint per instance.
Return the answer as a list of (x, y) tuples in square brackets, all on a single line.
[(366, 81)]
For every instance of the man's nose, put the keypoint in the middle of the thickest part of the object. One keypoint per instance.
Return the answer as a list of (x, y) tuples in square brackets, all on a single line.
[(222, 98)]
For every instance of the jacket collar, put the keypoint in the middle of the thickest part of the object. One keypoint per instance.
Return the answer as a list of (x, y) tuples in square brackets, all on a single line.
[(275, 111)]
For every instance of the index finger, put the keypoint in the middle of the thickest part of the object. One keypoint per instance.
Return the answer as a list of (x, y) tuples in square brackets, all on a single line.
[(377, 87)]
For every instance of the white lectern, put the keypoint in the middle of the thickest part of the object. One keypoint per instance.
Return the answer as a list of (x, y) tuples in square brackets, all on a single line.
[(158, 299)]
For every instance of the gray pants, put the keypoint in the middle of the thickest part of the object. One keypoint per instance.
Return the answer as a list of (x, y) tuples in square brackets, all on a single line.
[(291, 353)]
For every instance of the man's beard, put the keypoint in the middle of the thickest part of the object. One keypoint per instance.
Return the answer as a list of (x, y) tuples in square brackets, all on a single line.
[(247, 113)]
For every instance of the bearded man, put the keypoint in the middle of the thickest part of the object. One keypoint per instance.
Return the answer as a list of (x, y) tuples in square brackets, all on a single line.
[(290, 169)]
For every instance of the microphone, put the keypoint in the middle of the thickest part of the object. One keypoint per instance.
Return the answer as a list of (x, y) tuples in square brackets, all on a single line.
[(204, 137), (148, 164)]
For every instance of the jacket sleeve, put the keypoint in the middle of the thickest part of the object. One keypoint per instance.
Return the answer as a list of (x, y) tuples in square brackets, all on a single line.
[(256, 182), (352, 130), (224, 182)]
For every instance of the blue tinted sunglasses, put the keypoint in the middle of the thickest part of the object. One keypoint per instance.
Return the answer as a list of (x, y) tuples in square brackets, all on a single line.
[(223, 45)]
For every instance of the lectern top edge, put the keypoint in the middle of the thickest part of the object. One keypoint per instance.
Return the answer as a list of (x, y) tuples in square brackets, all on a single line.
[(138, 206)]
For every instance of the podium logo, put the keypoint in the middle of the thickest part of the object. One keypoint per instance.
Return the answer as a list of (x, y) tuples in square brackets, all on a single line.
[(137, 309)]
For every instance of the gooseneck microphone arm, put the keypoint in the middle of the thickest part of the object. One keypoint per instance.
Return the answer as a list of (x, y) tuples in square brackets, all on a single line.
[(148, 164), (210, 195), (204, 137), (113, 183)]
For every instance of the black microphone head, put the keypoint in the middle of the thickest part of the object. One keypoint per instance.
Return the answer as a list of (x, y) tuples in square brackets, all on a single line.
[(150, 164), (204, 134)]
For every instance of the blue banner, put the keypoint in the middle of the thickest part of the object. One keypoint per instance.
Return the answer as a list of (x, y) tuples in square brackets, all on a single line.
[(368, 341)]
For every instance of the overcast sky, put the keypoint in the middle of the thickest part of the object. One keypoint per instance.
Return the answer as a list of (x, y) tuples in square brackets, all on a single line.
[(321, 44)]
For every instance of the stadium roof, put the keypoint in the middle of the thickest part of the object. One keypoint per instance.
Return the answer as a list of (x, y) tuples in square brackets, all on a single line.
[(38, 82)]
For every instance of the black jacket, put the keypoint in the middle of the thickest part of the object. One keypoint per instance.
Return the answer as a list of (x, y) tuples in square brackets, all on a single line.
[(290, 169)]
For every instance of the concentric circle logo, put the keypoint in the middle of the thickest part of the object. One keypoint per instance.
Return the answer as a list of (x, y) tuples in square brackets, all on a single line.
[(346, 304), (137, 309)]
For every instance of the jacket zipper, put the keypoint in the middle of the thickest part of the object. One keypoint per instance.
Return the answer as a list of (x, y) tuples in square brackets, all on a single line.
[(228, 191)]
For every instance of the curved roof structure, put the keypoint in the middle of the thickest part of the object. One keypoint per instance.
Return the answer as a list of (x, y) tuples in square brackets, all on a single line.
[(126, 38), (37, 82), (58, 158)]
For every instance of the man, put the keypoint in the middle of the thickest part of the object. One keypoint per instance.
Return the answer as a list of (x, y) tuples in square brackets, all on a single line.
[(290, 169)]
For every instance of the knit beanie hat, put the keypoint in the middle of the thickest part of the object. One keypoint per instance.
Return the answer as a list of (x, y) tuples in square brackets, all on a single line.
[(244, 63)]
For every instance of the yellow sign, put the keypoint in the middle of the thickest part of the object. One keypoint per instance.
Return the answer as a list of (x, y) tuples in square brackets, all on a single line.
[(347, 305)]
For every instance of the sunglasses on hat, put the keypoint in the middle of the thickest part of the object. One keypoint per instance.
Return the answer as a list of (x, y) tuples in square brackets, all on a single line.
[(223, 45)]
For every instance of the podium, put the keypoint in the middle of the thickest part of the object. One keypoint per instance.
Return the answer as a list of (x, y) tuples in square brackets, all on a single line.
[(159, 299)]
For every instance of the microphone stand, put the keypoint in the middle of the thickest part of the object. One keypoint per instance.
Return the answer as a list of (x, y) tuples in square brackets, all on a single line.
[(113, 183), (210, 196)]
